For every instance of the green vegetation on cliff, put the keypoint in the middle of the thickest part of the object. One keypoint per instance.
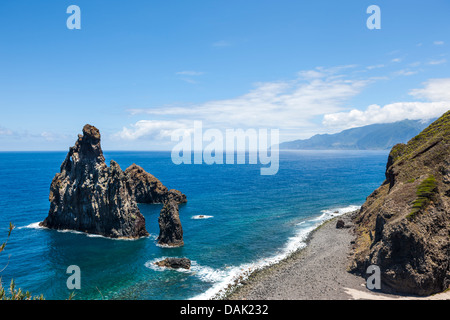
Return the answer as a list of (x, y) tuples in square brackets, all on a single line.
[(425, 193), (435, 132)]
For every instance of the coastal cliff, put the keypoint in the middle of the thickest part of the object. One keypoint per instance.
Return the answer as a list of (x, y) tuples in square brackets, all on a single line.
[(88, 196), (404, 225)]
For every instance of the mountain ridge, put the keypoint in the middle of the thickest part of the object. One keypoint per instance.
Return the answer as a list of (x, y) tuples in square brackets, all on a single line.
[(380, 136)]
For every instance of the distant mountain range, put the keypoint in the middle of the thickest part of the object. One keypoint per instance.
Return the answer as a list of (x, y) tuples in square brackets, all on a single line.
[(372, 137)]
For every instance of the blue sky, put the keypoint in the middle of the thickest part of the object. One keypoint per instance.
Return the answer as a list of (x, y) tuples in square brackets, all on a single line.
[(140, 69)]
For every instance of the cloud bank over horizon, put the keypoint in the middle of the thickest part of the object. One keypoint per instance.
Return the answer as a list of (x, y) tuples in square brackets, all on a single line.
[(435, 91), (313, 102)]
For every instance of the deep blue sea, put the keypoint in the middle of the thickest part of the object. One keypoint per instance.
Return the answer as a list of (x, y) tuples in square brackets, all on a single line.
[(250, 221)]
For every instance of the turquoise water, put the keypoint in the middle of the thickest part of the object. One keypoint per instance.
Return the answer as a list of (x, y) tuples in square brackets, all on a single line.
[(251, 221)]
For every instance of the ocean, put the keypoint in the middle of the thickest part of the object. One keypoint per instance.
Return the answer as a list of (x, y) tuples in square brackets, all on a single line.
[(235, 221)]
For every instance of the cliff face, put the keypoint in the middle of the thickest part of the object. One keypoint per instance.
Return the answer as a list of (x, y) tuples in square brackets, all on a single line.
[(90, 197), (404, 225)]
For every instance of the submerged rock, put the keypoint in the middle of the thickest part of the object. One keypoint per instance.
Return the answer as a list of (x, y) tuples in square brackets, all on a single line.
[(175, 263), (170, 230), (88, 196), (148, 189), (404, 225)]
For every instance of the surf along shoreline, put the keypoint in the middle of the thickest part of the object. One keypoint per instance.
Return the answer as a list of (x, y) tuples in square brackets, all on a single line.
[(317, 271)]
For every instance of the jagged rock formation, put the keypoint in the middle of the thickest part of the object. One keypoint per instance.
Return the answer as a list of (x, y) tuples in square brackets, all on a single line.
[(148, 189), (88, 196), (404, 226), (170, 230), (175, 263)]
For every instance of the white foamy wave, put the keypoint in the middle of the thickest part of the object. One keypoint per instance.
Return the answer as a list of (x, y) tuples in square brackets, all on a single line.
[(34, 225), (233, 276), (165, 246), (208, 274), (201, 216), (72, 231), (220, 277), (153, 236)]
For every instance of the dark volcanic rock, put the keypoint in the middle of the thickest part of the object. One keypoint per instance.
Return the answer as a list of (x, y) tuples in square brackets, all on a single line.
[(170, 230), (177, 196), (404, 225), (88, 196), (175, 263), (340, 224), (148, 189)]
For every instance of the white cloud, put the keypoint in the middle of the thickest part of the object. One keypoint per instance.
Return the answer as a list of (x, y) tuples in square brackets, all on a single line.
[(221, 43), (294, 106), (436, 62), (438, 43), (436, 91), (375, 66), (396, 60), (188, 80), (190, 73), (187, 74), (280, 104), (405, 72), (5, 132), (389, 113), (155, 129)]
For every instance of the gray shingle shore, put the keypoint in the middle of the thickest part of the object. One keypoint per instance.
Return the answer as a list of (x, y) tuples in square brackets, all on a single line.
[(317, 272)]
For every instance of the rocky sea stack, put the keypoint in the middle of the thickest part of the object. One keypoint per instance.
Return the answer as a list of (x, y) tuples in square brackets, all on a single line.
[(170, 230), (88, 196), (148, 189), (404, 225)]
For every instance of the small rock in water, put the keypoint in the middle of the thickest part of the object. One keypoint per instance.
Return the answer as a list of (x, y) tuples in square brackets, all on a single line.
[(174, 263)]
